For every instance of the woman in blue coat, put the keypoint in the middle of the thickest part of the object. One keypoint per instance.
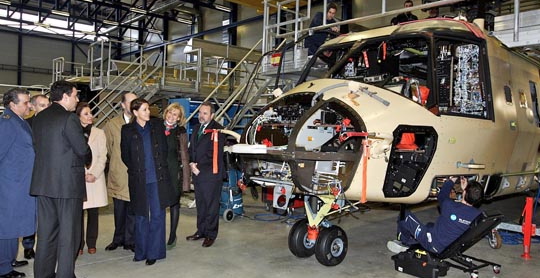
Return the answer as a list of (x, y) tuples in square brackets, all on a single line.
[(144, 151)]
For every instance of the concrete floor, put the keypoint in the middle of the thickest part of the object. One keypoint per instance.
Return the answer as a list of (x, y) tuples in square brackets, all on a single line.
[(254, 248)]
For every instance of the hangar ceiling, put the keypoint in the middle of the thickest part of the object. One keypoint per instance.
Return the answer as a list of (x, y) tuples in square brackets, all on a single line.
[(109, 18)]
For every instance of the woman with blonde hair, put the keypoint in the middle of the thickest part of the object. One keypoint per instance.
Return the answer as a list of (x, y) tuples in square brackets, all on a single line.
[(178, 160)]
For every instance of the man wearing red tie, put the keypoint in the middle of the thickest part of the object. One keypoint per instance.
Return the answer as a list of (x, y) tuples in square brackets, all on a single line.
[(207, 178)]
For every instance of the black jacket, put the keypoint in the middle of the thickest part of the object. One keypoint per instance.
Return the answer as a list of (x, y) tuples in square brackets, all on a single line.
[(201, 151), (60, 154), (131, 145)]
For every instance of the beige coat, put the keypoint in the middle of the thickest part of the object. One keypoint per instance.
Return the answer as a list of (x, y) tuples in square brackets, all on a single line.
[(96, 192), (117, 183)]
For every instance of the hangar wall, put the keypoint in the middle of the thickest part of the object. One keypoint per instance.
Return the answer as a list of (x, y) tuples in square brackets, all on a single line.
[(36, 60)]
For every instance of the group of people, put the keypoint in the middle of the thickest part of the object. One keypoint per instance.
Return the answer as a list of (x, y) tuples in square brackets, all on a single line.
[(52, 169)]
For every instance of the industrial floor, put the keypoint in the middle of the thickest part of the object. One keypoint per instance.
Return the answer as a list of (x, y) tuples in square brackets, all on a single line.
[(256, 246)]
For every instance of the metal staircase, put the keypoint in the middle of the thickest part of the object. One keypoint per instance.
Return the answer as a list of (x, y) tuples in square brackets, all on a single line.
[(201, 75), (238, 80), (246, 95)]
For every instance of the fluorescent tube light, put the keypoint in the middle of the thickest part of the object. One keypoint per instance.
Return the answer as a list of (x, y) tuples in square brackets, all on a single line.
[(222, 8), (62, 13), (137, 10), (154, 31), (88, 1), (109, 22), (5, 2), (39, 24), (183, 20)]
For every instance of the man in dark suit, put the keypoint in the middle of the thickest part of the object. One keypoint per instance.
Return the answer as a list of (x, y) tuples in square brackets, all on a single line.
[(58, 182), (38, 103), (208, 170), (18, 208)]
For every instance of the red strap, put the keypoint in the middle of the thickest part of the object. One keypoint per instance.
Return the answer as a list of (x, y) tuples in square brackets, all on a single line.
[(215, 158), (366, 60), (365, 157)]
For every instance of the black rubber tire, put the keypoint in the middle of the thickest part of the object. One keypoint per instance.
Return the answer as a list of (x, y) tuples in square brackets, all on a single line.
[(228, 215), (331, 247), (297, 240)]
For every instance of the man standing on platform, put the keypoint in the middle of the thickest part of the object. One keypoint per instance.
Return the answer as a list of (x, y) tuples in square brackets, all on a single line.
[(404, 17)]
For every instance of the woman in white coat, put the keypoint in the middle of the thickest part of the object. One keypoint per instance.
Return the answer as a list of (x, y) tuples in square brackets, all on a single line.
[(96, 191)]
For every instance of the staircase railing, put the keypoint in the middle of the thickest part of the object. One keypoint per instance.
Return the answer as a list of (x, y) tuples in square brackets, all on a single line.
[(108, 97), (214, 92)]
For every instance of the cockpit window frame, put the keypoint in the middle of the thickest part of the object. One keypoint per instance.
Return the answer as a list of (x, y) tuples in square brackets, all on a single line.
[(483, 68)]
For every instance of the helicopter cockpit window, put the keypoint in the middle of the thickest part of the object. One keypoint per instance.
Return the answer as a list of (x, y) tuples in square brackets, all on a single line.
[(399, 65), (326, 59), (460, 77)]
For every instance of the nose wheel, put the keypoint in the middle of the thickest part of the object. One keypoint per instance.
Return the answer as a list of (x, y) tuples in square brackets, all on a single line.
[(299, 244), (331, 247)]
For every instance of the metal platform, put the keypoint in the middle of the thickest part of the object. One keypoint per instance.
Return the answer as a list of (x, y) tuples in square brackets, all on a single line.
[(528, 33)]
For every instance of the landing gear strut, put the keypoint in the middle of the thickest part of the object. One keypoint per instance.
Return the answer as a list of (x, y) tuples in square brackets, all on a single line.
[(315, 235)]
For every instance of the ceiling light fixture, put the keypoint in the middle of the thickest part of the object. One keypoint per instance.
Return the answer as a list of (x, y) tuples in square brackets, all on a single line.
[(88, 1), (62, 13), (110, 22), (137, 10), (222, 8), (5, 2), (183, 20), (154, 31), (39, 24)]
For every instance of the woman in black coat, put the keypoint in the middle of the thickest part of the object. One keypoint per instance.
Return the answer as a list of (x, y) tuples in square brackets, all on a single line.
[(144, 151), (178, 161)]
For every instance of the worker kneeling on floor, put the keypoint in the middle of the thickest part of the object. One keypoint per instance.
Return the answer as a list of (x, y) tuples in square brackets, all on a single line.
[(453, 221)]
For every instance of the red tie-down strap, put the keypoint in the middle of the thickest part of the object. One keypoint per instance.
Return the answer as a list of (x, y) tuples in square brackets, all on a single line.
[(365, 156), (214, 138)]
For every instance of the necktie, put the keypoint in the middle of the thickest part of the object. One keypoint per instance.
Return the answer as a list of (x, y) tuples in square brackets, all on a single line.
[(201, 131)]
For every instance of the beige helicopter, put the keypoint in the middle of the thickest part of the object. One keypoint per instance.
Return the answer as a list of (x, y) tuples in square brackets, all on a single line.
[(385, 116)]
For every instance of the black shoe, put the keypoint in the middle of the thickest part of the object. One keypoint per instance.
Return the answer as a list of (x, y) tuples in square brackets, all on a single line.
[(29, 253), (150, 262), (208, 242), (13, 274), (194, 236), (18, 263), (129, 247), (112, 246)]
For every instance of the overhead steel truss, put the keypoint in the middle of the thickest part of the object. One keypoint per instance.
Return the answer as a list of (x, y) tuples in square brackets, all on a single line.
[(111, 18)]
